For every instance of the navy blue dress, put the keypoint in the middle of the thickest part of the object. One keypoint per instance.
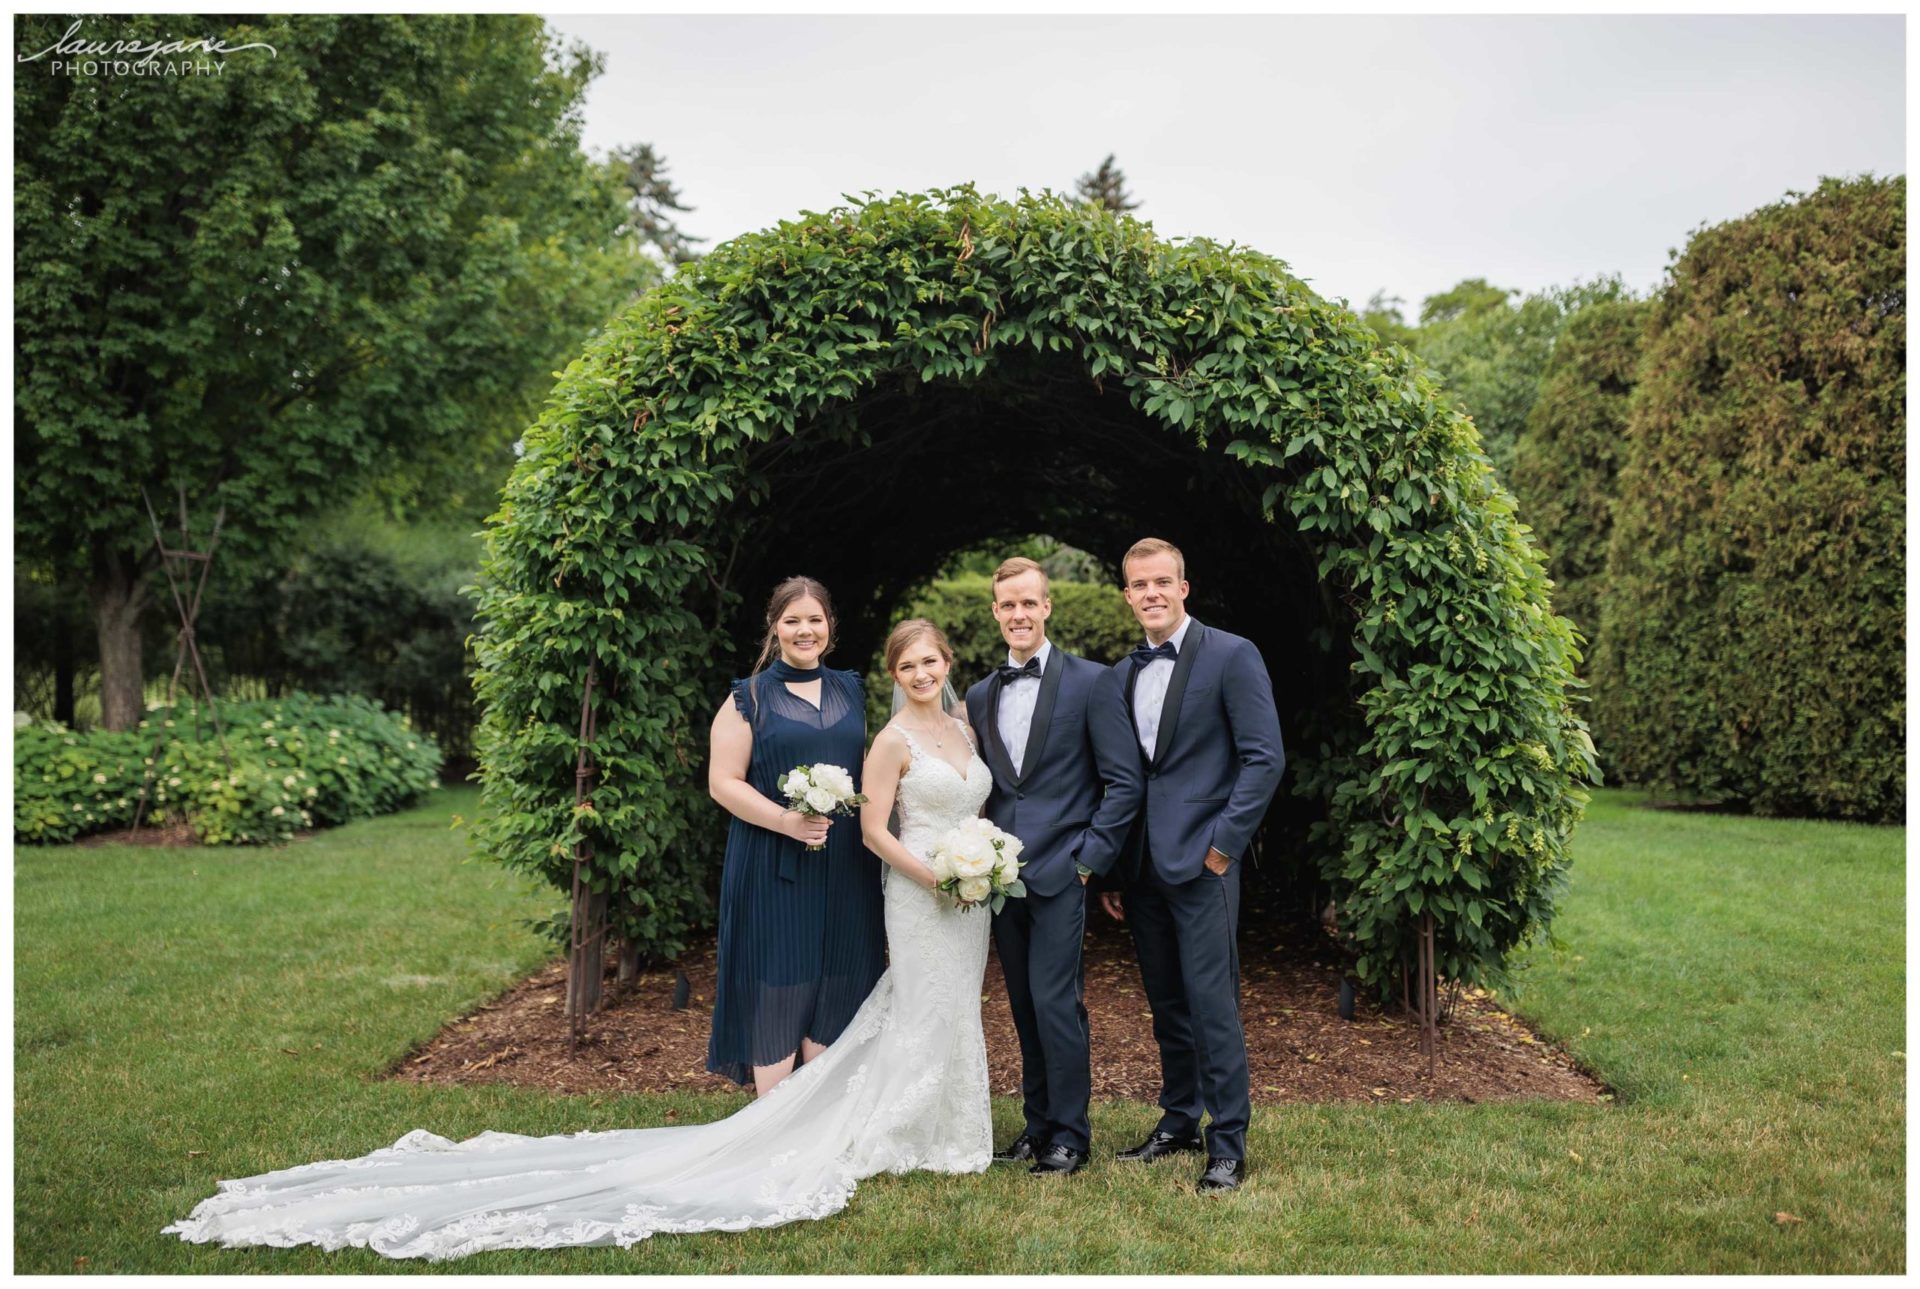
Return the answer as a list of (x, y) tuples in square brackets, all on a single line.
[(802, 933)]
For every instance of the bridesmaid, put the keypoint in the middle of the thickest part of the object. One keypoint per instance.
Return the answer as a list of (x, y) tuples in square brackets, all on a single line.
[(802, 938)]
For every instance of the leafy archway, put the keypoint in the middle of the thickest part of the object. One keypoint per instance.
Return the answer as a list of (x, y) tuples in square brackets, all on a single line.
[(853, 394)]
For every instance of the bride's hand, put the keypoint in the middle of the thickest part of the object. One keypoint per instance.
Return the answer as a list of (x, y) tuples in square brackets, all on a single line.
[(925, 876)]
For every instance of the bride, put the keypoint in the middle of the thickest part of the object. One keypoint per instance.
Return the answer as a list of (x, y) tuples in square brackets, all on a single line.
[(903, 1088)]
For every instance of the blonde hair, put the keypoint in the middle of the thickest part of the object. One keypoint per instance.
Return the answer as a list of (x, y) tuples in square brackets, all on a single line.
[(1015, 567), (906, 633), (1154, 546)]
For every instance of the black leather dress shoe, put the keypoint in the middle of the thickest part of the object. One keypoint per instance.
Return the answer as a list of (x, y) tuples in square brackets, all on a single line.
[(1063, 1160), (1158, 1144), (1024, 1148), (1221, 1175)]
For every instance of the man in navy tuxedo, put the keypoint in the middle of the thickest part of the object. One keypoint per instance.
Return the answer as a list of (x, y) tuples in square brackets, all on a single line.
[(1066, 781), (1208, 740)]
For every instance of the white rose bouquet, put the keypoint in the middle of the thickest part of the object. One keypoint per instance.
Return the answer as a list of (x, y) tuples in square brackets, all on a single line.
[(978, 863), (821, 790)]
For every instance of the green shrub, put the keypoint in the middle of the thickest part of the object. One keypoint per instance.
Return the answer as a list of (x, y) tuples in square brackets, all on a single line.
[(1567, 458), (295, 762), (1752, 646), (1089, 618), (726, 422)]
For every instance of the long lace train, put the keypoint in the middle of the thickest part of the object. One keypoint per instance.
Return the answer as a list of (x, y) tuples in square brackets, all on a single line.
[(904, 1088)]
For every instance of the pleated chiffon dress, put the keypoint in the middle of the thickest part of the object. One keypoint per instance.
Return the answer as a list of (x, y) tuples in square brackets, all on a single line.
[(802, 934)]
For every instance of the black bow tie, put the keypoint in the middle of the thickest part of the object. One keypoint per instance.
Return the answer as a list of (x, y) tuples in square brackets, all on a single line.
[(1010, 673), (1144, 654)]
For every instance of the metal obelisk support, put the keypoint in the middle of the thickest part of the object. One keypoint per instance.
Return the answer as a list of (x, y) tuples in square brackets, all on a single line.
[(189, 611), (588, 918)]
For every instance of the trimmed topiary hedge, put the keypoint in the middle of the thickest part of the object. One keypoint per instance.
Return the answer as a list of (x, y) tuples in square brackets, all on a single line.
[(728, 420), (1567, 458), (1752, 647), (297, 762)]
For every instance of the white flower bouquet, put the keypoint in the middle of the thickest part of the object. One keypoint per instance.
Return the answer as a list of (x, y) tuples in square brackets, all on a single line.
[(978, 863), (821, 790)]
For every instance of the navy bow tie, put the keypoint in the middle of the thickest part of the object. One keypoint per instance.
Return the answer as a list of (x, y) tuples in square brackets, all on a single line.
[(1144, 654), (1010, 673)]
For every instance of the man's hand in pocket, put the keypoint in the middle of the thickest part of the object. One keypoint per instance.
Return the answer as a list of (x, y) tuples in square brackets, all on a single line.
[(1217, 863)]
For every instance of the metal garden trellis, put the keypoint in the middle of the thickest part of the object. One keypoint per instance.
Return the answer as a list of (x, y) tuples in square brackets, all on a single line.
[(189, 610)]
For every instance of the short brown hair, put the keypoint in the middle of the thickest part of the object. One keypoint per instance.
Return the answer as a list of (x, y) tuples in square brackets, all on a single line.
[(907, 632), (1015, 567), (1154, 546)]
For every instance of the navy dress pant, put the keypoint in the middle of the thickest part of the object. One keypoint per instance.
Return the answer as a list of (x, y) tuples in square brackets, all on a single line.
[(1185, 936), (1038, 941)]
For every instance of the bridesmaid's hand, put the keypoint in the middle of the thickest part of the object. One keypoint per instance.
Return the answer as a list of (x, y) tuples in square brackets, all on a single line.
[(810, 829)]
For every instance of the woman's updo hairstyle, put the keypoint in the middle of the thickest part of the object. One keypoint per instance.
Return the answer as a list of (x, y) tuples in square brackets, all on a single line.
[(907, 632)]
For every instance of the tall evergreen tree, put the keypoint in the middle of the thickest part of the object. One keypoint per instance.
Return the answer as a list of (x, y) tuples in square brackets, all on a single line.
[(1106, 187), (652, 200)]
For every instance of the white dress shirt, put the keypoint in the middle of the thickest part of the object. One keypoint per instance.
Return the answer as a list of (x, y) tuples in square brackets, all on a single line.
[(1016, 706), (1150, 689)]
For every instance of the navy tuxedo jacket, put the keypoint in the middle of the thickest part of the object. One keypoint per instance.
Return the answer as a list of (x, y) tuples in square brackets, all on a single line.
[(1079, 786), (1217, 757)]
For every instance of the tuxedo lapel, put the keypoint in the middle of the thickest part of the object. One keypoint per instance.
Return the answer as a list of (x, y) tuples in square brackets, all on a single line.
[(1177, 690), (1042, 715), (997, 757)]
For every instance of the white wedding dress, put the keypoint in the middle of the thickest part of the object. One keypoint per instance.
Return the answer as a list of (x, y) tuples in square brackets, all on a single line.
[(903, 1088)]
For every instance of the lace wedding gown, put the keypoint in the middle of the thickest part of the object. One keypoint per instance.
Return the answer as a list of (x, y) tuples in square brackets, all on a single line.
[(903, 1088)]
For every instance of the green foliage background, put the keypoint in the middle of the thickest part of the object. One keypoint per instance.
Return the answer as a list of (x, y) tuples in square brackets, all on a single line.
[(1752, 646), (1450, 786), (368, 607), (360, 252), (1491, 351), (1567, 460), (383, 223)]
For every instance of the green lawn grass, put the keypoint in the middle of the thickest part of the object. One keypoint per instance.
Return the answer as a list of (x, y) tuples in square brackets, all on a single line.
[(187, 1015)]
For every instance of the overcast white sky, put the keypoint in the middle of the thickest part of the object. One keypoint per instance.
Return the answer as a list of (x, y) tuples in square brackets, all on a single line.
[(1403, 153)]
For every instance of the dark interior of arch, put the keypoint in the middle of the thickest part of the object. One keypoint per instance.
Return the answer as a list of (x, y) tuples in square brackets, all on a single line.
[(876, 494)]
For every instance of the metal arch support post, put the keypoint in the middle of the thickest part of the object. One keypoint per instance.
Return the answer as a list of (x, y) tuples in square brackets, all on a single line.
[(1429, 994), (587, 920)]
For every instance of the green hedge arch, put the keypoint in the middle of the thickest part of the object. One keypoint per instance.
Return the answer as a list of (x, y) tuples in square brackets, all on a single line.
[(1752, 650), (857, 392)]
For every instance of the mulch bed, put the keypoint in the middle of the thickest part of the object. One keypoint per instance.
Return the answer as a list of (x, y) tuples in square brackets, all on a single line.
[(176, 833), (1298, 1048)]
